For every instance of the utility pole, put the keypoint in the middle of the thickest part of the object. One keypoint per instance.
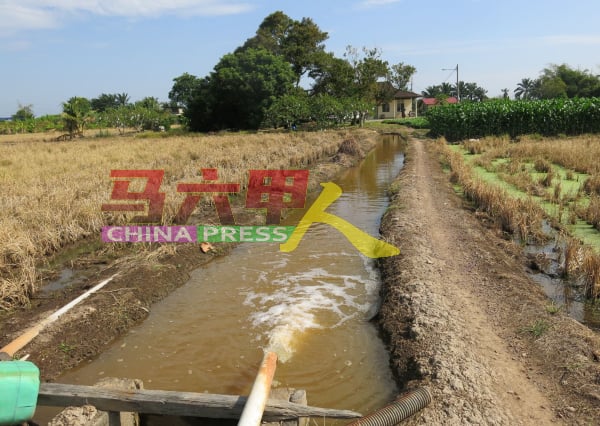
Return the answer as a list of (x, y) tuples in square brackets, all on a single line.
[(457, 86)]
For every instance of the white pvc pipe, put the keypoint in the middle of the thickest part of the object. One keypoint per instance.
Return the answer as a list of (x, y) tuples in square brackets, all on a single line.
[(32, 332), (255, 405)]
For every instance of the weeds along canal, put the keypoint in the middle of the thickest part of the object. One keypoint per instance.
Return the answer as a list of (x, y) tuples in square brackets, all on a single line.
[(312, 306)]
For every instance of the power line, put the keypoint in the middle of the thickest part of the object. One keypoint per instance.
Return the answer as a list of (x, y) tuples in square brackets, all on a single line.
[(457, 85)]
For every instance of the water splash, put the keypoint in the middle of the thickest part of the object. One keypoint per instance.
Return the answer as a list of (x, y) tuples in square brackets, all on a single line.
[(285, 308)]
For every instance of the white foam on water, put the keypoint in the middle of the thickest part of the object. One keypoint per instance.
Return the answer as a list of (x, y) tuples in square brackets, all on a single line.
[(292, 304)]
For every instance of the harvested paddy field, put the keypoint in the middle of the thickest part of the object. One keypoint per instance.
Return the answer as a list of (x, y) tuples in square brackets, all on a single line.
[(50, 224)]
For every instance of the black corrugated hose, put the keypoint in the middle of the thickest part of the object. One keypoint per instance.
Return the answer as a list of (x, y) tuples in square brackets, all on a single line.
[(399, 410)]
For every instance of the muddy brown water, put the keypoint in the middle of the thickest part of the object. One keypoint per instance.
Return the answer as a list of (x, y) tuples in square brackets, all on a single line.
[(312, 306), (565, 293)]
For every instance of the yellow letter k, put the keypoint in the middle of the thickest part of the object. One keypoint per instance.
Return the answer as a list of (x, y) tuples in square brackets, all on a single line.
[(366, 244)]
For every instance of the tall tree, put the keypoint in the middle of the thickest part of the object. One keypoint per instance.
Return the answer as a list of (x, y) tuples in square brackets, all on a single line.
[(299, 42), (75, 115), (471, 92), (564, 81), (199, 112), (150, 103), (333, 76), (552, 87), (104, 102), (400, 75), (303, 46), (468, 91), (240, 89), (271, 34), (369, 69), (183, 89), (526, 89), (25, 112), (440, 89), (122, 99), (559, 81)]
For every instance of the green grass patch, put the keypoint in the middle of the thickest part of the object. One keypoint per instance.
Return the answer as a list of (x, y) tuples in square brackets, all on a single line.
[(537, 328), (414, 122), (586, 233)]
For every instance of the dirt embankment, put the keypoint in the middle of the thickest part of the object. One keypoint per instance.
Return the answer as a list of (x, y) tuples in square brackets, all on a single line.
[(145, 276), (460, 315)]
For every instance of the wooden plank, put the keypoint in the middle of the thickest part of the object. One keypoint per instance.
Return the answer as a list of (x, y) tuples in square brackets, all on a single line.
[(88, 415), (297, 396), (122, 418), (175, 403)]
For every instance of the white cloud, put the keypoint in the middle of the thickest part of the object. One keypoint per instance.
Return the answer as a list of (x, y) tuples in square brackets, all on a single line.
[(17, 16)]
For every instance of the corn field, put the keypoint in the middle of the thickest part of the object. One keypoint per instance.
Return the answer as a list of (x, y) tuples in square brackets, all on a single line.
[(503, 117)]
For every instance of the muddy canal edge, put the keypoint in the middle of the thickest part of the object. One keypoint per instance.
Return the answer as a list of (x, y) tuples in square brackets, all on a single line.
[(144, 279), (458, 314)]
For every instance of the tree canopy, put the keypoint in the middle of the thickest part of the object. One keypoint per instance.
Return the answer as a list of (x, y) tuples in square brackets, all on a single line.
[(104, 102), (76, 114), (25, 112), (239, 90), (527, 89), (559, 81), (183, 89), (259, 82), (400, 75), (300, 43), (468, 91)]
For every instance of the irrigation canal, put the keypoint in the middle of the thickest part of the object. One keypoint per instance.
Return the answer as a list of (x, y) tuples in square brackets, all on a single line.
[(312, 306)]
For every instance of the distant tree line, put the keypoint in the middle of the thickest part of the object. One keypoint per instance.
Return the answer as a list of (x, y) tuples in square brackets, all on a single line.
[(468, 91), (559, 81), (259, 83), (555, 81), (107, 110)]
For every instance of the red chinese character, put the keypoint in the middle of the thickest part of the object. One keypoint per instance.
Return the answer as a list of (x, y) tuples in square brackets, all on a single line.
[(219, 191), (275, 190), (153, 199)]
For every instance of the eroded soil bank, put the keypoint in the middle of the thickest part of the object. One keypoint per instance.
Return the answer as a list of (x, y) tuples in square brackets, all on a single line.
[(461, 316)]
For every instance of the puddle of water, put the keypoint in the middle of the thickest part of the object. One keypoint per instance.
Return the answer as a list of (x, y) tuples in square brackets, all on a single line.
[(65, 279), (561, 291), (312, 306)]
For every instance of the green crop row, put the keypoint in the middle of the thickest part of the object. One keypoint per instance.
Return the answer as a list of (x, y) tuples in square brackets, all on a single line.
[(414, 122), (500, 117), (32, 125)]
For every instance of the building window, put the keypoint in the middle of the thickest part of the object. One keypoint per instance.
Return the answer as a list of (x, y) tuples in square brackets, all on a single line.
[(400, 107), (385, 107)]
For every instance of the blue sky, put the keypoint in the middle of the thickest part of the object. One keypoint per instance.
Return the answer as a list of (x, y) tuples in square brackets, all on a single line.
[(51, 50)]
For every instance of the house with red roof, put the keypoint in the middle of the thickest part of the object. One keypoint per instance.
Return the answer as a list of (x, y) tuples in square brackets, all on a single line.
[(429, 102)]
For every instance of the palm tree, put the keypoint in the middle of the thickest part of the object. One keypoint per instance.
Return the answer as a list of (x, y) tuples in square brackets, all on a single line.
[(75, 115), (122, 98), (525, 89), (447, 89), (431, 91), (440, 89)]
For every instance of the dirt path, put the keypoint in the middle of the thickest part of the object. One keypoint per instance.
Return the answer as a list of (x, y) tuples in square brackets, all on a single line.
[(456, 302)]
